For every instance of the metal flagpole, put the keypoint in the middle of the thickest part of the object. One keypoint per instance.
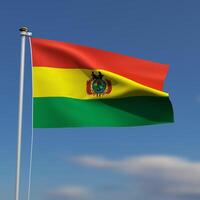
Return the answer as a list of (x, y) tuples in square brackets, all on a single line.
[(24, 33)]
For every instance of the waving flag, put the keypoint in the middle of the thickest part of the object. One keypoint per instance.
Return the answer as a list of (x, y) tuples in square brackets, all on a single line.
[(79, 86)]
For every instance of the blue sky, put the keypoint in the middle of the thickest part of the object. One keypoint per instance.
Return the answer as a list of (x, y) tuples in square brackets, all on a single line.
[(151, 162)]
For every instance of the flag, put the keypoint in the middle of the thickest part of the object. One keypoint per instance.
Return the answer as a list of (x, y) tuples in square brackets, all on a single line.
[(79, 86)]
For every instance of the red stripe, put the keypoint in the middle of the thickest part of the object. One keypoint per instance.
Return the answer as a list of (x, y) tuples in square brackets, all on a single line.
[(65, 55)]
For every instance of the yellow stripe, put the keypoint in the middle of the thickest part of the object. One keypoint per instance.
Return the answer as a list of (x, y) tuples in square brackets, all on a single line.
[(59, 82)]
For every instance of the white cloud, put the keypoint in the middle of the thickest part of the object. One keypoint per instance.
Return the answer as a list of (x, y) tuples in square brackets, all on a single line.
[(71, 192), (156, 175), (93, 161)]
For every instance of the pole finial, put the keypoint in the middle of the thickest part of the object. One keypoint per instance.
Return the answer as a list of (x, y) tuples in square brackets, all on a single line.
[(25, 31)]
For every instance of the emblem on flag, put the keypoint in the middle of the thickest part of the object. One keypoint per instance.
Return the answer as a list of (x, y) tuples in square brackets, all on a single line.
[(98, 85)]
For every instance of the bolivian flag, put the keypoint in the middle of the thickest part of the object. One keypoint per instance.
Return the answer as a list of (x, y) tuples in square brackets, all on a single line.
[(79, 86)]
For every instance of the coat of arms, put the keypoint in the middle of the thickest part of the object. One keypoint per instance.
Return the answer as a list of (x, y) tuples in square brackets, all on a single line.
[(98, 85)]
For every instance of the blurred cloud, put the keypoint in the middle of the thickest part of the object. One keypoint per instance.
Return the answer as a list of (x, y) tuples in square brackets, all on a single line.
[(158, 177), (70, 192)]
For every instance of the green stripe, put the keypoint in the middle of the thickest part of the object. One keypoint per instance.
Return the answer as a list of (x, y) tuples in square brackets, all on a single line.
[(55, 112)]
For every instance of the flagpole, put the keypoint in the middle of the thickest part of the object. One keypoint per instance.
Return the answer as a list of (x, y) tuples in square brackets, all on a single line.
[(24, 33)]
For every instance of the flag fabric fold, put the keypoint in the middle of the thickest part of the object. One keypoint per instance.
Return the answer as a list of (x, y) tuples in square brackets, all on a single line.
[(79, 86)]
